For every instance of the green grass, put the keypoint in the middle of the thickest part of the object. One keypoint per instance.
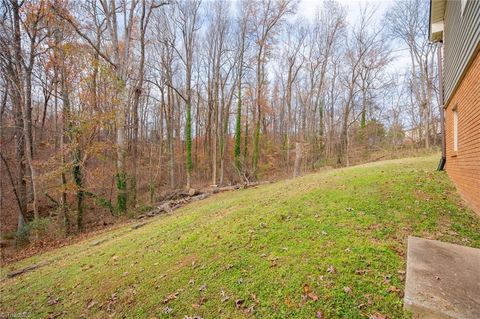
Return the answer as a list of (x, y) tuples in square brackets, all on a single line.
[(267, 246)]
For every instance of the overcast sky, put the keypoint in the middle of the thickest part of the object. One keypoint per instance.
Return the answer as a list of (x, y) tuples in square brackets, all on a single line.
[(307, 8)]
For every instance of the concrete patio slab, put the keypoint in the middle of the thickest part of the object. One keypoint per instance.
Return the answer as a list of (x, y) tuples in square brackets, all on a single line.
[(443, 280)]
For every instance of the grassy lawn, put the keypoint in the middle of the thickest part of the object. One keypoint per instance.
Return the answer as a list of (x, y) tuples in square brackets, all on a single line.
[(332, 243)]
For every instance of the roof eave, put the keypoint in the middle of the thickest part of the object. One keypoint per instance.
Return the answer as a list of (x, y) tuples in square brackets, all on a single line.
[(436, 17)]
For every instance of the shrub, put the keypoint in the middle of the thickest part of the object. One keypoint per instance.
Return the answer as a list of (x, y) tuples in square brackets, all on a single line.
[(42, 228), (22, 237)]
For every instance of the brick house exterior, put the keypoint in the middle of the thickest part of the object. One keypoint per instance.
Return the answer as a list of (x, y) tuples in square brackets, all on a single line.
[(456, 24)]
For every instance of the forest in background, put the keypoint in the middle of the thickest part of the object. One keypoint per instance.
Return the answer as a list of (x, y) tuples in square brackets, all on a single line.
[(108, 105)]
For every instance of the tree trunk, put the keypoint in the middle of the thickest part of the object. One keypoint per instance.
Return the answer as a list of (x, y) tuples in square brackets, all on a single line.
[(256, 134), (27, 132), (17, 99), (78, 179), (121, 150), (298, 160), (238, 129)]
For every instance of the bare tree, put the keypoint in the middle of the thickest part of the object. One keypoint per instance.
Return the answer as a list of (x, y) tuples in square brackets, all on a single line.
[(408, 22), (187, 22), (266, 18)]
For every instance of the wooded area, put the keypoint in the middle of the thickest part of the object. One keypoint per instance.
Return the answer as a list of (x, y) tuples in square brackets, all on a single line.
[(108, 105)]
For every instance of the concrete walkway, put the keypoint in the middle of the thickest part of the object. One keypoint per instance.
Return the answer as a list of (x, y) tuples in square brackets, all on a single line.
[(443, 280)]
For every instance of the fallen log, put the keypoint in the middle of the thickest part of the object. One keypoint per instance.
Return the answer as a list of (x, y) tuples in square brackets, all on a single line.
[(137, 226), (178, 198), (178, 194), (25, 269), (166, 206)]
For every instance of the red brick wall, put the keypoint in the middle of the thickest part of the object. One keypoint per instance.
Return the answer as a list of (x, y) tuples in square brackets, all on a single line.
[(463, 167)]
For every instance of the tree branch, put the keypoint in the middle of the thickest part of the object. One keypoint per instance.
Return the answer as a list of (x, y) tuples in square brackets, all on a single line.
[(84, 36)]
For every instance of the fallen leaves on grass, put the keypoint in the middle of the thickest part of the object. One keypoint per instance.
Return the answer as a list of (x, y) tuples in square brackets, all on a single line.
[(288, 302), (202, 300), (91, 303), (319, 315), (111, 302), (86, 267), (331, 269), (347, 290), (312, 296), (306, 288), (170, 297), (309, 293), (255, 299), (386, 279), (369, 299), (393, 289), (224, 296), (399, 251), (239, 303), (329, 284), (129, 295), (52, 301)]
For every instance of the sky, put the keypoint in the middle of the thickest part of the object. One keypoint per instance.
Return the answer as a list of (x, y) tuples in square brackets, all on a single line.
[(307, 8)]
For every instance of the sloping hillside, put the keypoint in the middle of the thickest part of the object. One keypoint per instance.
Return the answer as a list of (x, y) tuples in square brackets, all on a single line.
[(326, 245)]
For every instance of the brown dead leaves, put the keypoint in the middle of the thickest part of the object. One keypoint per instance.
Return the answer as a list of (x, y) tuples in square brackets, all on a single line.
[(331, 269), (347, 290), (91, 303), (247, 306), (201, 302), (110, 305), (171, 297), (52, 301), (239, 303), (224, 296), (308, 293)]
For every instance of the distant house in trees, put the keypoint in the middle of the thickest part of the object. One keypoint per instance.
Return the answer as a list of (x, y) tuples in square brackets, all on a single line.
[(456, 23)]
